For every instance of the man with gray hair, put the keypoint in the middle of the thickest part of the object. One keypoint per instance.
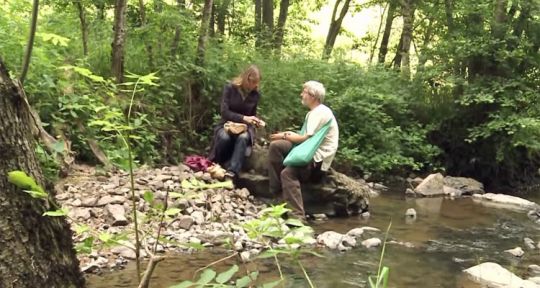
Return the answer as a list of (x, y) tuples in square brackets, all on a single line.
[(285, 180)]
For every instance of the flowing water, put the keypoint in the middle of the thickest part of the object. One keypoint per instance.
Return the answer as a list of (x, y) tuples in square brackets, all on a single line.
[(447, 237)]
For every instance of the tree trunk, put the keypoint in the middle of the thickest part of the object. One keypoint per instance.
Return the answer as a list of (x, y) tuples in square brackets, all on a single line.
[(30, 43), (118, 40), (258, 23), (222, 15), (499, 22), (148, 46), (406, 36), (335, 26), (203, 33), (280, 29), (37, 251), (387, 29), (212, 22), (267, 23), (84, 26), (177, 30), (373, 47)]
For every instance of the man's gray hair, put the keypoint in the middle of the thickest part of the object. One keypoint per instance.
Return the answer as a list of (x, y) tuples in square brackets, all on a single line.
[(315, 89)]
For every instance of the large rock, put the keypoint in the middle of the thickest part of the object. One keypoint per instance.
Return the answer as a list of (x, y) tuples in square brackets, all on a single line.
[(433, 185), (505, 201), (493, 275), (335, 195), (467, 186)]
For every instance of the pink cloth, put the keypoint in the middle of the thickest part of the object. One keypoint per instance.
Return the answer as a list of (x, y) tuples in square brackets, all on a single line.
[(198, 163)]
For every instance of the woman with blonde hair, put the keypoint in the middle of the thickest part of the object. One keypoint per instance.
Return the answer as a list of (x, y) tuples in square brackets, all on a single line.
[(239, 102)]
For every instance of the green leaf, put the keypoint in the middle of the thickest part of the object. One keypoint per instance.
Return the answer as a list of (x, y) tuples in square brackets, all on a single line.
[(80, 229), (294, 222), (172, 211), (244, 281), (58, 147), (86, 246), (206, 276), (23, 181), (105, 237), (184, 284), (37, 194), (148, 197), (226, 276), (271, 284), (56, 213)]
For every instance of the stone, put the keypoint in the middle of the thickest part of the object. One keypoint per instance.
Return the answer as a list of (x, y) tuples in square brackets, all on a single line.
[(431, 186), (452, 192), (117, 214), (409, 192), (529, 243), (198, 217), (89, 202), (494, 275), (185, 222), (410, 213), (334, 240), (80, 213), (356, 232), (517, 252), (533, 270), (504, 201), (371, 242), (467, 186)]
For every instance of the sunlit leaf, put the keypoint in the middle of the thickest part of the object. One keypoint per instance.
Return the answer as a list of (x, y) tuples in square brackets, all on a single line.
[(227, 275)]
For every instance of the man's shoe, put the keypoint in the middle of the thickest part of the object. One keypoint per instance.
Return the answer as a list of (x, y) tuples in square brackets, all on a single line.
[(230, 175)]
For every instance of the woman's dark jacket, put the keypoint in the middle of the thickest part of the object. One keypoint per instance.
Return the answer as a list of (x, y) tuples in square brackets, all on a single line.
[(234, 108)]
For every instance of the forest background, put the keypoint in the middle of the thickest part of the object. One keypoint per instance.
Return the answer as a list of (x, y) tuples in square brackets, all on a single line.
[(444, 85)]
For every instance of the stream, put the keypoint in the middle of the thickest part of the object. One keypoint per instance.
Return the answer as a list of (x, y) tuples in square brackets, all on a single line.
[(446, 237)]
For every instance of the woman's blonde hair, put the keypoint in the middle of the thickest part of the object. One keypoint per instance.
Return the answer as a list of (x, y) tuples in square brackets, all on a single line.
[(252, 73)]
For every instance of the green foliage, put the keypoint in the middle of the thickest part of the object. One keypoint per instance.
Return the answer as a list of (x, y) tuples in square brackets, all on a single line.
[(27, 183), (210, 278)]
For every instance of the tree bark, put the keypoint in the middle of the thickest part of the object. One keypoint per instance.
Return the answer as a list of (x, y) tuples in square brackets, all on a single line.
[(118, 40), (177, 30), (258, 23), (84, 26), (335, 26), (267, 23), (222, 15), (203, 33), (148, 46), (212, 22), (373, 47), (387, 29), (408, 8), (30, 44), (280, 28), (37, 251)]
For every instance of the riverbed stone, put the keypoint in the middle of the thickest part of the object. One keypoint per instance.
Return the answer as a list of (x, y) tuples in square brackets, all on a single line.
[(529, 243), (533, 270), (431, 186), (494, 275), (517, 252), (504, 201), (372, 242), (467, 186), (117, 214), (335, 240), (410, 213)]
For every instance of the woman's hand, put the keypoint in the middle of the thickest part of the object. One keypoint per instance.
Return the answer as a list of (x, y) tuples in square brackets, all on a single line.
[(252, 120)]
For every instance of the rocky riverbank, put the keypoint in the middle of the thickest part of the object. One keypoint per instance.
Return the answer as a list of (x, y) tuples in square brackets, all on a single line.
[(204, 213)]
